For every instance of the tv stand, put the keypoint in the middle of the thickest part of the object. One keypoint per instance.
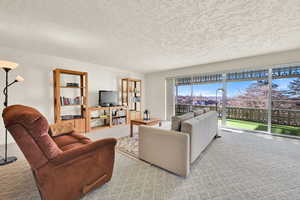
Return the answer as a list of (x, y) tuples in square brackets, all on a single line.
[(106, 117)]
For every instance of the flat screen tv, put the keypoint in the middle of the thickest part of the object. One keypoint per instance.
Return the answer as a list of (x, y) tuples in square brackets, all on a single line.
[(108, 98)]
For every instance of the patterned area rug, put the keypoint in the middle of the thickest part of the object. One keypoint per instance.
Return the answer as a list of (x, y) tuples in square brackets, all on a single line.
[(129, 145)]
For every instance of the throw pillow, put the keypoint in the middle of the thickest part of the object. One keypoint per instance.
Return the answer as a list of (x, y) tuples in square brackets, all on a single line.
[(206, 110), (198, 112), (177, 120), (61, 129)]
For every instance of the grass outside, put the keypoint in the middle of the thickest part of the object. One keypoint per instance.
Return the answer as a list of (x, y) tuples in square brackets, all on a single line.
[(279, 129)]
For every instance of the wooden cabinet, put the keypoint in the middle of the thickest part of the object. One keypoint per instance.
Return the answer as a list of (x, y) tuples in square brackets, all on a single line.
[(77, 88)]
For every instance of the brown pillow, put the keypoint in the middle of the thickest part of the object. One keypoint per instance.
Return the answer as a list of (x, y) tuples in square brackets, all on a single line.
[(61, 128)]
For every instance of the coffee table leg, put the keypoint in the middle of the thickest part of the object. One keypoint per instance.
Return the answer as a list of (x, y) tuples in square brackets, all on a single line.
[(131, 129)]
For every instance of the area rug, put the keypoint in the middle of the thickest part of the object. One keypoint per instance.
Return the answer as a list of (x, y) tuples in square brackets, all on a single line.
[(129, 146)]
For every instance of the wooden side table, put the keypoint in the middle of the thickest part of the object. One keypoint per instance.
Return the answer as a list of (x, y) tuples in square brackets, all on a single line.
[(138, 122)]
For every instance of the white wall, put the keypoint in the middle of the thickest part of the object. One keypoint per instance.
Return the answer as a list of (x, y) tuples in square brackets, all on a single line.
[(37, 89), (155, 88)]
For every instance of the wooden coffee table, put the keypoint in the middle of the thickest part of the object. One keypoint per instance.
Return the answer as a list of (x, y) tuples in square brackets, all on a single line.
[(151, 122)]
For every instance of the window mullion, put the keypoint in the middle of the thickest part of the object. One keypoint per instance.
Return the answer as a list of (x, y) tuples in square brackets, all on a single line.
[(270, 102)]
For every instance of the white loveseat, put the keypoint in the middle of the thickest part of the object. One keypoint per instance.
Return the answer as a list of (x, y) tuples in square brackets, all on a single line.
[(176, 150)]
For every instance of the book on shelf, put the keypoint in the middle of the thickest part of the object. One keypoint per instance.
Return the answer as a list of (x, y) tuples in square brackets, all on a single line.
[(69, 117), (72, 84), (119, 113), (71, 101), (100, 117), (118, 121)]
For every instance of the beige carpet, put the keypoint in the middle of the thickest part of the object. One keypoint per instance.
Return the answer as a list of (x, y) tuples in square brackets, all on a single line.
[(235, 167)]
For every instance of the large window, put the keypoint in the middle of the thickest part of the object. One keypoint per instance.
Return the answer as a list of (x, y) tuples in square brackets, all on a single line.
[(184, 94), (286, 106), (261, 100), (247, 104), (205, 94)]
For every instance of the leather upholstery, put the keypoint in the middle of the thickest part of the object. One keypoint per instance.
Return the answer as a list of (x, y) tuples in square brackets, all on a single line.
[(64, 167)]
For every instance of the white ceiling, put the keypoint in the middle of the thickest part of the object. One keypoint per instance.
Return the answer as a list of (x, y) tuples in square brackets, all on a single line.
[(150, 35)]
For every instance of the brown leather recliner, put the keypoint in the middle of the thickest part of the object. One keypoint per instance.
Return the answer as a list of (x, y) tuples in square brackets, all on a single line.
[(64, 167)]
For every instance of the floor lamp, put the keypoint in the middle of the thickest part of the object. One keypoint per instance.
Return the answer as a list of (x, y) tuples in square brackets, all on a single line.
[(7, 66)]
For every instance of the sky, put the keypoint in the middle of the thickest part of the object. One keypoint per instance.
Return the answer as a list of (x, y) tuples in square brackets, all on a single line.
[(233, 88)]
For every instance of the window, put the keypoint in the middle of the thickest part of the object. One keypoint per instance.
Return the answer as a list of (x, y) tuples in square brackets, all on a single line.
[(250, 102), (184, 94)]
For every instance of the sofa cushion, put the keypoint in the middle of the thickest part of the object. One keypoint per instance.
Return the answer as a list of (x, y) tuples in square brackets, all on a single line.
[(187, 126), (66, 142), (177, 120), (199, 117), (202, 130), (198, 112), (206, 110)]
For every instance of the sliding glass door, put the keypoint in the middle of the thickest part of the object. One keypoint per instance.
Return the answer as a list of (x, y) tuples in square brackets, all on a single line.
[(247, 105), (256, 100), (208, 96), (286, 101), (183, 99), (247, 100), (197, 92)]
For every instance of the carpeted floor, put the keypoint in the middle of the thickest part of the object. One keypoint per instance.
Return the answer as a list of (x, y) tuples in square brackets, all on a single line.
[(237, 166)]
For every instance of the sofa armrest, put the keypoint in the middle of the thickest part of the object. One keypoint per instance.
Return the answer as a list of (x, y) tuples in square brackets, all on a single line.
[(165, 148), (88, 148)]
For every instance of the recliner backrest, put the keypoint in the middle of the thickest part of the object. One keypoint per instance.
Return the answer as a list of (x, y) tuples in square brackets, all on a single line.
[(30, 128)]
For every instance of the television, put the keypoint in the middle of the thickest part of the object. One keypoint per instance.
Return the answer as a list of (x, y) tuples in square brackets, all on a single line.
[(108, 98)]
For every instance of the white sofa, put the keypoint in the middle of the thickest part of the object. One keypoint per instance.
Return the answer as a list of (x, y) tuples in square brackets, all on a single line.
[(176, 150)]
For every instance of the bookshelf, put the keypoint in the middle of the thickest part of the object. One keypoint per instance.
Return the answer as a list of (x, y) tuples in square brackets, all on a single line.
[(71, 98), (132, 96)]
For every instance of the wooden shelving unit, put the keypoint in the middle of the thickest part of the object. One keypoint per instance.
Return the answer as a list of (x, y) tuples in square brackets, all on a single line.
[(105, 117), (70, 87), (132, 97), (80, 123)]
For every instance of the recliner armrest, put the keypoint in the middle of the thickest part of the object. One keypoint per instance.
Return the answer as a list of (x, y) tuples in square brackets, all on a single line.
[(88, 148)]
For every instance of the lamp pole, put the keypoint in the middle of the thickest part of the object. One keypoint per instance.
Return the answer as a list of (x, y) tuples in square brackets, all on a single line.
[(6, 160), (218, 113)]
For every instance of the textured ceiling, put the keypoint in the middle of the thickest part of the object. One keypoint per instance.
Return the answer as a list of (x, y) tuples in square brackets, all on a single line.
[(150, 35)]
